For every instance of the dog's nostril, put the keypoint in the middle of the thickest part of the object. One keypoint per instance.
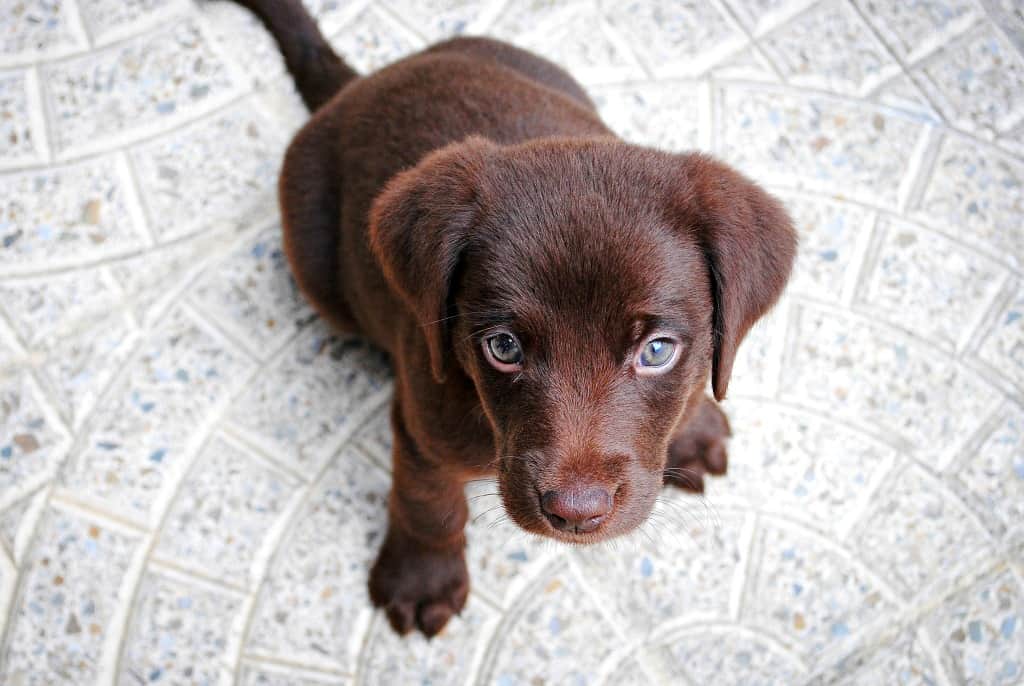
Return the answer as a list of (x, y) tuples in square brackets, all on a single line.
[(579, 510)]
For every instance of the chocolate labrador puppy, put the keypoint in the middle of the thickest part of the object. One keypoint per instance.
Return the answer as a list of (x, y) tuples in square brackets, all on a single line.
[(553, 299)]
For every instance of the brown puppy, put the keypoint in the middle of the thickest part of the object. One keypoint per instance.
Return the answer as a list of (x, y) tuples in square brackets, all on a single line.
[(553, 299)]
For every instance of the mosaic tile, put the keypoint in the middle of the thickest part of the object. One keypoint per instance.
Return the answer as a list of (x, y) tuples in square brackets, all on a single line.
[(190, 183), (437, 20), (109, 20), (313, 606), (901, 659), (258, 675), (32, 441), (151, 82), (652, 115), (224, 510), (21, 141), (913, 29), (33, 28), (69, 593), (372, 40), (993, 475), (40, 308), (723, 657), (981, 631), (293, 408), (916, 536), (1002, 345), (815, 142)]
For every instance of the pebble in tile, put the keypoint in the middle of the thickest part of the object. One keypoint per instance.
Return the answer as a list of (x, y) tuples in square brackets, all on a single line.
[(30, 28), (927, 283), (179, 632), (109, 20), (727, 657), (980, 77), (683, 567), (829, 231), (993, 475), (152, 81), (445, 659), (65, 215), (676, 38), (913, 29), (148, 422), (190, 182), (224, 510), (808, 595), (652, 114), (831, 48), (1002, 346), (572, 36), (981, 630), (816, 142), (556, 636), (69, 591), (373, 40), (916, 536), (20, 144), (252, 294), (977, 195), (294, 408), (32, 443), (794, 462), (901, 659), (312, 608), (884, 381)]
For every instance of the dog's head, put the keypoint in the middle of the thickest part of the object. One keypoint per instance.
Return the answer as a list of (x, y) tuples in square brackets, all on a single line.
[(587, 288)]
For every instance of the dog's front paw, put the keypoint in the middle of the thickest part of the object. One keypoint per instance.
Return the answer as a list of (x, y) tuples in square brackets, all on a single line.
[(418, 587), (699, 449)]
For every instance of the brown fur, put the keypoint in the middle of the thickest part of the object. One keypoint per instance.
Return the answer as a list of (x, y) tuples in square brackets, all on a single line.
[(473, 186)]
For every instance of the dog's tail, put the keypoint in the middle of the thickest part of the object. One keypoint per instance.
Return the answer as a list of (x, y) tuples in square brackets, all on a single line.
[(318, 71)]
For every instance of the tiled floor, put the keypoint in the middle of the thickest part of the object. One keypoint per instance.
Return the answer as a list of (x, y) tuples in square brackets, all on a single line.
[(192, 470)]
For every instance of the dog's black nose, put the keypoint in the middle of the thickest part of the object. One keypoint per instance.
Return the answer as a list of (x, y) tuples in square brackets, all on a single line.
[(576, 510)]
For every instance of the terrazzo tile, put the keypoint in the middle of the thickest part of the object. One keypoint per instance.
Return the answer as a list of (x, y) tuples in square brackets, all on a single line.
[(240, 32), (558, 635), (867, 373), (108, 20), (677, 38), (69, 592), (437, 20), (762, 15), (376, 438), (928, 284), (795, 463), (252, 294), (811, 141), (1002, 345), (980, 77), (901, 659), (293, 409), (572, 36), (981, 630), (815, 50), (259, 675), (224, 510), (42, 308), (808, 595), (34, 28), (18, 519), (628, 673), (755, 371), (652, 114), (904, 94), (914, 29), (373, 40), (313, 608), (178, 633), (992, 477), (148, 83), (32, 441), (976, 195), (154, 415), (916, 536), (727, 657), (66, 215), (829, 232), (445, 659), (21, 142), (189, 182), (684, 567)]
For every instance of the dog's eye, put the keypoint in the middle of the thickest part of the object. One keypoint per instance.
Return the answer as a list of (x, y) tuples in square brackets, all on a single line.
[(657, 353), (503, 351)]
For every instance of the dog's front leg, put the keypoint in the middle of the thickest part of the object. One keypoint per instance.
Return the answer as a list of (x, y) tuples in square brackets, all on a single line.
[(698, 448), (420, 577)]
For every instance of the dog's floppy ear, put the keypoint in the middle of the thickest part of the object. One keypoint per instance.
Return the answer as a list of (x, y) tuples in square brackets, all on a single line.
[(419, 225), (749, 243)]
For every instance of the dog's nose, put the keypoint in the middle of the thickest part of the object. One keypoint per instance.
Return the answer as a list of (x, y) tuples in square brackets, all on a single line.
[(579, 510)]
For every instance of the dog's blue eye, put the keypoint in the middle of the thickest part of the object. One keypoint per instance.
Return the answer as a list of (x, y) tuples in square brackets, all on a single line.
[(505, 348), (657, 353)]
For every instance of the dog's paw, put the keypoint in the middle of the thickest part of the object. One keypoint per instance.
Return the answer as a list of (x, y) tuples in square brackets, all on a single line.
[(418, 588), (699, 449)]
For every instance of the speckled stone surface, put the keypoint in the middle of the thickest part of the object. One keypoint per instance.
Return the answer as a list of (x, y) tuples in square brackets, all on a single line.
[(193, 469)]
